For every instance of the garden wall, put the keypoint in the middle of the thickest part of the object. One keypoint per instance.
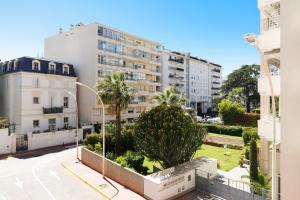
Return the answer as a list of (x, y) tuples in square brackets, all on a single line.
[(124, 176), (7, 142), (49, 139)]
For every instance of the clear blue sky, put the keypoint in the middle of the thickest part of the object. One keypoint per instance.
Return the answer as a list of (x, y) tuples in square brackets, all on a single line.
[(210, 29)]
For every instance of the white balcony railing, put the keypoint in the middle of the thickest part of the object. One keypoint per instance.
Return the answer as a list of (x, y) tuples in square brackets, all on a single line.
[(265, 128), (264, 87)]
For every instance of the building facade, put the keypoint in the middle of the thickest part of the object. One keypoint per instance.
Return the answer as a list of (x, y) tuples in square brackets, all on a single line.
[(34, 96), (97, 50)]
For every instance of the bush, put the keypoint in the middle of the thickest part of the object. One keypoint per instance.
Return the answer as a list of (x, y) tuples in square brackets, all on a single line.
[(246, 119), (127, 136), (111, 156), (90, 147), (134, 161), (224, 130), (253, 160), (92, 139), (229, 111), (248, 134), (98, 148), (246, 152), (3, 123)]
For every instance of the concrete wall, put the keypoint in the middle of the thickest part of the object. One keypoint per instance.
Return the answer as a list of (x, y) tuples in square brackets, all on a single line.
[(7, 142), (124, 176), (48, 139)]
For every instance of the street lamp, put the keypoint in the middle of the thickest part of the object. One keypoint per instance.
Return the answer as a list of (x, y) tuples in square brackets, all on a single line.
[(77, 137), (252, 40), (103, 121)]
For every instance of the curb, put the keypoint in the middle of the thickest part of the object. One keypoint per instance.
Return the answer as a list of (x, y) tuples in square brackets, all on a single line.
[(86, 182)]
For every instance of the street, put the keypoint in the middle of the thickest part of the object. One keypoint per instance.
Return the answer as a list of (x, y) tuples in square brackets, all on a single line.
[(42, 177)]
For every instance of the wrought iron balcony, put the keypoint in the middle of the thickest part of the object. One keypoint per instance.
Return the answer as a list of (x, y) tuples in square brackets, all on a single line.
[(53, 110)]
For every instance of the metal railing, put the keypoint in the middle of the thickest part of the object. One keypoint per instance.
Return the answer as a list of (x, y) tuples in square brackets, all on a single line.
[(53, 110)]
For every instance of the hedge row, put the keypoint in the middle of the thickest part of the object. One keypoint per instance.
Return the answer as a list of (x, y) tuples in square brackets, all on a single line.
[(247, 119), (226, 130)]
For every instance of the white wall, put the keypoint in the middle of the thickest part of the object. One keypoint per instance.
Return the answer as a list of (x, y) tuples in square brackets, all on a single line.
[(48, 139), (7, 142)]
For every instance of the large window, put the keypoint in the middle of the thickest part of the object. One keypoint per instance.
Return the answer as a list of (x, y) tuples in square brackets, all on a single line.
[(66, 122), (107, 46), (51, 68), (35, 65), (35, 100), (52, 124), (65, 69), (66, 102)]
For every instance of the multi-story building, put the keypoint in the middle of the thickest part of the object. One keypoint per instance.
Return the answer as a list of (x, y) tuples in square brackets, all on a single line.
[(174, 66), (34, 96), (97, 50), (199, 80)]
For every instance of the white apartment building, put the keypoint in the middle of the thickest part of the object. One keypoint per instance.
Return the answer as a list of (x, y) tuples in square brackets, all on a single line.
[(199, 80), (34, 97), (97, 50)]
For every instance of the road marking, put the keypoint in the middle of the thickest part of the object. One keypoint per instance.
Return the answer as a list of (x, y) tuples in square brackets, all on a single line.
[(19, 183), (41, 183), (53, 173)]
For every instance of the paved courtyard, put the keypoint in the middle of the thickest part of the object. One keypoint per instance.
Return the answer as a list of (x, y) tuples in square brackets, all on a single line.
[(42, 177)]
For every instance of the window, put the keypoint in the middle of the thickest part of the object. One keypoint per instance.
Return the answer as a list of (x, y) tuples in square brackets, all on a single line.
[(35, 100), (35, 65), (66, 102), (36, 123), (66, 122), (65, 69), (51, 68), (52, 124), (189, 177)]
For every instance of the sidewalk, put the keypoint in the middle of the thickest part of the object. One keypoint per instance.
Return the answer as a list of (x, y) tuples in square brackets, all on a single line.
[(107, 188)]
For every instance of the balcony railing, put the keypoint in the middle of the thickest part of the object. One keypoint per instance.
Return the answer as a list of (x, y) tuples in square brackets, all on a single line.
[(53, 110)]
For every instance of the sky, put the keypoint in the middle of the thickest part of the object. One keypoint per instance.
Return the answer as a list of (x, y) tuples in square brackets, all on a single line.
[(209, 29)]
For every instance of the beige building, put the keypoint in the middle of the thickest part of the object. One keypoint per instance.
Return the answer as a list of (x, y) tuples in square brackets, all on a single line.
[(96, 50)]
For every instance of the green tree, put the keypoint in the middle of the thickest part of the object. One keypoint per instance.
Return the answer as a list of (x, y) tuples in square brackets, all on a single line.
[(167, 135), (114, 91), (253, 160), (246, 78), (236, 95), (229, 110), (170, 97)]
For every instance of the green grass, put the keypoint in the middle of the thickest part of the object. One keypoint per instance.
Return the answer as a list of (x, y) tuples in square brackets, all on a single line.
[(225, 136), (225, 162)]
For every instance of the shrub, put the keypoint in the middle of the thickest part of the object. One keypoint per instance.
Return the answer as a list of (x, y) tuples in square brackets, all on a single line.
[(248, 134), (229, 110), (98, 148), (134, 161), (246, 152), (224, 130), (90, 147), (167, 135), (111, 156), (3, 123), (91, 139), (246, 119), (253, 160), (128, 140)]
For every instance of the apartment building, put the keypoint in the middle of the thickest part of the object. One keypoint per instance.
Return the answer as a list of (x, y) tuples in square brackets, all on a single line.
[(216, 80), (97, 50), (34, 97)]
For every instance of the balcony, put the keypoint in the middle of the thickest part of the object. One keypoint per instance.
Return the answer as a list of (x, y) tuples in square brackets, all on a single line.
[(264, 88), (53, 110), (265, 128), (269, 40)]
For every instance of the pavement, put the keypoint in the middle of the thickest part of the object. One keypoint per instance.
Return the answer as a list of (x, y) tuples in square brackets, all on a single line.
[(105, 186), (41, 176)]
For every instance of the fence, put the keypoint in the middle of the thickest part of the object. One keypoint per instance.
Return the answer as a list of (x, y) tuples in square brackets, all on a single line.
[(228, 188)]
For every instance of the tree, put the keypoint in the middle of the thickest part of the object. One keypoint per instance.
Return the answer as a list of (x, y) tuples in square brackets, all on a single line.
[(246, 78), (253, 160), (167, 135), (170, 97), (236, 95), (229, 111), (114, 91)]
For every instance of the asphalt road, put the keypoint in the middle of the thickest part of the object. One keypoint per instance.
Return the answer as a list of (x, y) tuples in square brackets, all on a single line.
[(42, 177)]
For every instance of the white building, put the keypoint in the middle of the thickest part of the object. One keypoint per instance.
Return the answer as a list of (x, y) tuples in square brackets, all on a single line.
[(199, 80), (34, 97), (97, 50)]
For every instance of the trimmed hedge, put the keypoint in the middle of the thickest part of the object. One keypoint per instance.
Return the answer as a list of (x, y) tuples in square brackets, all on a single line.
[(226, 130), (247, 119)]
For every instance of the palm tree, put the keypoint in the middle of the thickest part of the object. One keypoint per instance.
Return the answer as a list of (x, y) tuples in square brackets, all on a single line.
[(170, 97), (114, 91)]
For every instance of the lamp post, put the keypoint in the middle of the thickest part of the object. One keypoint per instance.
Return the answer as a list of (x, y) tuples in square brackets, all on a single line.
[(77, 137), (252, 40), (103, 122)]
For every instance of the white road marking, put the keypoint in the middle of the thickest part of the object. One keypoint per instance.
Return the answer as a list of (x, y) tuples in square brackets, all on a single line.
[(19, 183), (41, 183), (53, 173)]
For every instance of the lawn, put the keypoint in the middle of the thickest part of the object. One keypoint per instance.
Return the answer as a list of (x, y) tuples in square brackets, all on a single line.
[(225, 162), (225, 136)]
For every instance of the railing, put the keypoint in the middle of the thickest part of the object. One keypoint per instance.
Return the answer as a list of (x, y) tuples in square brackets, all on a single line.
[(53, 110)]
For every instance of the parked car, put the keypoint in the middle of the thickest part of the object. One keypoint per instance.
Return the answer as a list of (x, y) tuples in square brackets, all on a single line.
[(215, 120)]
